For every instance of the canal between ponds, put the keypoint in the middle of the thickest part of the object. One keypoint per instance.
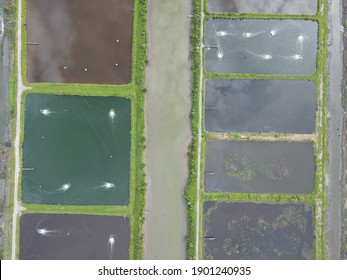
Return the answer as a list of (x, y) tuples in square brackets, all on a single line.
[(167, 128), (335, 112)]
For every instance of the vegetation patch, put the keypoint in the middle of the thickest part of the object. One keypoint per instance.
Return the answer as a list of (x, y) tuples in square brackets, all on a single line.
[(277, 170), (257, 231), (238, 166)]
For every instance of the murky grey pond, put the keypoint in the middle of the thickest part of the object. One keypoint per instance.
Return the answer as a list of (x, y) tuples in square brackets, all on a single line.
[(257, 231), (259, 167), (294, 7), (253, 106), (256, 46), (73, 237)]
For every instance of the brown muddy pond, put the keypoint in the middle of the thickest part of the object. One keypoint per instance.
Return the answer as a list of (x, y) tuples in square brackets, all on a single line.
[(293, 7), (259, 167), (257, 231), (73, 237), (79, 41), (260, 106)]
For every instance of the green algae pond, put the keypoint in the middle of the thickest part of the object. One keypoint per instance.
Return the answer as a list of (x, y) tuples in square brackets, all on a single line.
[(76, 150)]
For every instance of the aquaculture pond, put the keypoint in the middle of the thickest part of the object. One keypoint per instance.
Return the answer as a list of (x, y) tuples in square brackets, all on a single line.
[(234, 230), (257, 46), (293, 7), (76, 150), (79, 41), (254, 106), (259, 167), (73, 237)]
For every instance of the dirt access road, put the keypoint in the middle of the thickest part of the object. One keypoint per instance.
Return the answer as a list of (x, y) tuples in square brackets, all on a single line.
[(20, 89)]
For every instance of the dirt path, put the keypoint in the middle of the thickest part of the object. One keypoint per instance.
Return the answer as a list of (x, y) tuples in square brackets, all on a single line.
[(20, 89), (199, 132)]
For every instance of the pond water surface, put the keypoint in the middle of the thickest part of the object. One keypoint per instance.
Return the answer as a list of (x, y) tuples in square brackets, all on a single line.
[(253, 106), (79, 41), (76, 150), (168, 130), (259, 167), (293, 7), (73, 237), (257, 231), (256, 46)]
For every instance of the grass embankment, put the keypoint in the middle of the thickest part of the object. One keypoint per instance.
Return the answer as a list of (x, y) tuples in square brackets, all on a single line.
[(319, 140), (191, 188), (133, 91), (321, 132)]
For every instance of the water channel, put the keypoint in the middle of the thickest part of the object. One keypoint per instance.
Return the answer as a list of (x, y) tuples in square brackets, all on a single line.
[(335, 112), (167, 128)]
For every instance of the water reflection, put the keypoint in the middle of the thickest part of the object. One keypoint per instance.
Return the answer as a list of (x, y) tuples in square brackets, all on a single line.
[(294, 7), (284, 47)]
